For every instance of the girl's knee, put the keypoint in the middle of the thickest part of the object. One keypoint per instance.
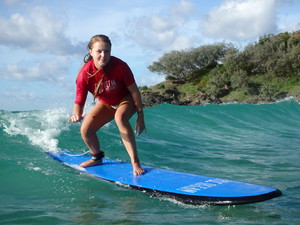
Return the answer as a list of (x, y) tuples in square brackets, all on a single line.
[(121, 119), (85, 131)]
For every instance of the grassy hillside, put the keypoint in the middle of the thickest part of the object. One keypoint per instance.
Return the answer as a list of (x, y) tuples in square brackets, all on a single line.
[(267, 70)]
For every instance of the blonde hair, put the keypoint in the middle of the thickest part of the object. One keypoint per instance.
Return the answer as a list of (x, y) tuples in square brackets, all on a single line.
[(94, 39)]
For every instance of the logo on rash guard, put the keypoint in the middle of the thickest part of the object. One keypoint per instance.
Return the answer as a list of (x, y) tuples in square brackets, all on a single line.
[(108, 86)]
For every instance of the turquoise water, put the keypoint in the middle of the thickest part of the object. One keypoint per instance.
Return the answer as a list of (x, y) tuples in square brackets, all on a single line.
[(250, 143)]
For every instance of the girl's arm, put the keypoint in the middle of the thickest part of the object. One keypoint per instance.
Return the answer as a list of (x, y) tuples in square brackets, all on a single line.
[(140, 123)]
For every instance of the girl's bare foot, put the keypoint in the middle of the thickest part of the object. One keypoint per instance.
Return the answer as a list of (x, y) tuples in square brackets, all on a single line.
[(137, 169), (91, 162)]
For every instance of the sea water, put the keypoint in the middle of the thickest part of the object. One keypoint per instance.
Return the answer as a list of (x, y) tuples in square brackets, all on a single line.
[(250, 143)]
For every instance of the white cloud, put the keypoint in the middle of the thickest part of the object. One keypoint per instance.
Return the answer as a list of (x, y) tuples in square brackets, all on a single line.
[(183, 8), (162, 31), (37, 30), (241, 19), (45, 71), (21, 96), (10, 2)]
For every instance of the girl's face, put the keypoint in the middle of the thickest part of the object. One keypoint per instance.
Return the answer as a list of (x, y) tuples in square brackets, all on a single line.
[(100, 53)]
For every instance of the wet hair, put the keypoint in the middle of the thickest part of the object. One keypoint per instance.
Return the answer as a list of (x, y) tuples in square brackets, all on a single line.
[(94, 39)]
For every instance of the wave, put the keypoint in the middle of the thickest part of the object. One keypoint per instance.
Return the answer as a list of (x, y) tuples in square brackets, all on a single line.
[(170, 125), (40, 127)]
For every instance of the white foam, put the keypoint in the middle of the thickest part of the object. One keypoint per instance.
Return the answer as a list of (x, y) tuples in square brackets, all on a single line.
[(287, 99), (76, 167), (36, 168), (41, 127)]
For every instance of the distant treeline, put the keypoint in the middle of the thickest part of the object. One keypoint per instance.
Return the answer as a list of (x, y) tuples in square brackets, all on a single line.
[(220, 68)]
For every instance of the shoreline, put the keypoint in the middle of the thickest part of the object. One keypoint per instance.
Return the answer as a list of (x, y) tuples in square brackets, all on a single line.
[(155, 98)]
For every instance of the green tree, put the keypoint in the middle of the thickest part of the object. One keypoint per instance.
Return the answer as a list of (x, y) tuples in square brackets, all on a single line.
[(175, 64), (179, 64)]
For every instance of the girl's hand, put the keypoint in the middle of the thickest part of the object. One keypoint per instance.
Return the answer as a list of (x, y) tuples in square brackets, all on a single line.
[(140, 125), (76, 118)]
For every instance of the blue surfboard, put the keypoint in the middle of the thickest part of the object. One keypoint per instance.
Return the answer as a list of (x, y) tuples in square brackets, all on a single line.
[(184, 187)]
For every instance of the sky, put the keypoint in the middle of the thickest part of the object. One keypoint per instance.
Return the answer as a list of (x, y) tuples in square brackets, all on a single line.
[(43, 42)]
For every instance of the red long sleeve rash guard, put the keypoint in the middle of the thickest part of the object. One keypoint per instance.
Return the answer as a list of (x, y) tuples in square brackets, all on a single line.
[(113, 88)]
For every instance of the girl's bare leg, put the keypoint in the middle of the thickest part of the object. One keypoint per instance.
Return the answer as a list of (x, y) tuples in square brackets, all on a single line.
[(98, 117), (124, 112)]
